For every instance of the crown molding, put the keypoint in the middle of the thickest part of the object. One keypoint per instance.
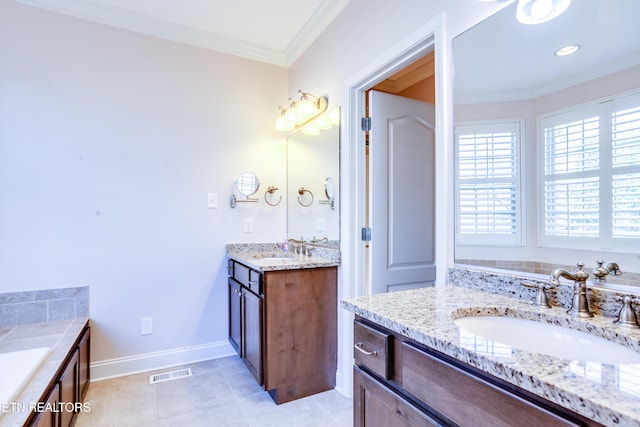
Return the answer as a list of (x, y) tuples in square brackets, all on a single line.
[(310, 31), (133, 21)]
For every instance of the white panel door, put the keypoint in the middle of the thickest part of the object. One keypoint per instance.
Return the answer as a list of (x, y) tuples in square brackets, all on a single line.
[(401, 192)]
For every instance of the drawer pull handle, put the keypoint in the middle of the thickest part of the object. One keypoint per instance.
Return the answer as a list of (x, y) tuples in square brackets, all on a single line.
[(253, 282), (358, 347)]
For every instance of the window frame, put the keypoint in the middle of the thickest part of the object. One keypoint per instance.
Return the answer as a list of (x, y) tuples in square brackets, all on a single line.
[(604, 108), (516, 239)]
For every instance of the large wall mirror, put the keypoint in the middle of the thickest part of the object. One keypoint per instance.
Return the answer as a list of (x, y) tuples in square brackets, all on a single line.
[(313, 181), (507, 71)]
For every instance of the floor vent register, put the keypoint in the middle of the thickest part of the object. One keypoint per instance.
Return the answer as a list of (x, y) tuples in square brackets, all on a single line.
[(168, 376)]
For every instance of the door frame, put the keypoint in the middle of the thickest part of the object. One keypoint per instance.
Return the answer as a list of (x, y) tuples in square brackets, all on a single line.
[(354, 274)]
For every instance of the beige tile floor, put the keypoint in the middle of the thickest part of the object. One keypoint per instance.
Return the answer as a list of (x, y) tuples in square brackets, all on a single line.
[(220, 393)]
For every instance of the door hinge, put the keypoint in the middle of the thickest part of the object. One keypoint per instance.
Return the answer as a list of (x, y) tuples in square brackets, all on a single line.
[(366, 124), (366, 234)]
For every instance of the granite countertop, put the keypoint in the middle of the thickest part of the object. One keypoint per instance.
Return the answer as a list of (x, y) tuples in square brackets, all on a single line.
[(606, 393), (268, 257), (264, 262), (59, 337)]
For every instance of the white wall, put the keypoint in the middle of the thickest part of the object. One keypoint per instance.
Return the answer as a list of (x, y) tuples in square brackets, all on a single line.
[(109, 143), (110, 140)]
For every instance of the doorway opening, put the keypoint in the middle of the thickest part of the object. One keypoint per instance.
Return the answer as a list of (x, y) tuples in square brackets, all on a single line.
[(399, 178), (428, 39)]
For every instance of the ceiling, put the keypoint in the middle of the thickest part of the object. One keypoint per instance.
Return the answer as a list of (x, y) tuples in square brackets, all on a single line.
[(501, 59), (274, 31)]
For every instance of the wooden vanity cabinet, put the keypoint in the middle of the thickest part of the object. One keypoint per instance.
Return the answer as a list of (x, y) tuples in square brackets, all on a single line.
[(49, 418), (63, 399), (235, 315), (252, 333), (405, 383), (377, 405), (287, 328), (246, 316)]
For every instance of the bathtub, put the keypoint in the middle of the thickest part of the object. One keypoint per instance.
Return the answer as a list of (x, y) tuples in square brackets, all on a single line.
[(16, 369)]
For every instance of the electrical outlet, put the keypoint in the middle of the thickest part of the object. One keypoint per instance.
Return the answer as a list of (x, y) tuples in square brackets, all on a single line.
[(146, 326), (321, 224), (248, 225), (212, 200)]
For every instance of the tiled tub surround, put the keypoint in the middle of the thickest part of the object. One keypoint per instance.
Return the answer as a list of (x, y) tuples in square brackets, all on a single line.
[(257, 256), (26, 307), (602, 301), (606, 393), (59, 336)]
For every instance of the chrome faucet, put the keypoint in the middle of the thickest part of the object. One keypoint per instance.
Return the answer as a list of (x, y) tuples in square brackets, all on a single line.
[(541, 297), (627, 317), (601, 271), (579, 302)]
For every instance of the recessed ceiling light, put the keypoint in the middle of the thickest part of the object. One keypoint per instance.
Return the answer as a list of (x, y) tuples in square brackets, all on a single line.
[(567, 50)]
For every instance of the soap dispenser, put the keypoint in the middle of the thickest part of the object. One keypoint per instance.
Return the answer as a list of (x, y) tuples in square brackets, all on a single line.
[(284, 246)]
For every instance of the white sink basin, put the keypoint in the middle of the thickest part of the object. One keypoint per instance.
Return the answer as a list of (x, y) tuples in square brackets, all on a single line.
[(547, 338)]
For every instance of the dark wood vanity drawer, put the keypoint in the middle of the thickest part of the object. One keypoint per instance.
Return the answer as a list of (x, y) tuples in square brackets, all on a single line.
[(467, 399), (372, 348), (249, 278)]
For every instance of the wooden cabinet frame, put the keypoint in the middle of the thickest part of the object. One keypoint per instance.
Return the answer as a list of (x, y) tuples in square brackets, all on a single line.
[(445, 390), (288, 331), (68, 388)]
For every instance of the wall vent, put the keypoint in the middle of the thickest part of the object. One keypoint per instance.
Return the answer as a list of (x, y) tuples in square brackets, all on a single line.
[(168, 376)]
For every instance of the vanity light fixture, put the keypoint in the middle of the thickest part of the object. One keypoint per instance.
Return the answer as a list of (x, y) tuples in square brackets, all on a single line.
[(567, 50), (300, 112), (539, 11)]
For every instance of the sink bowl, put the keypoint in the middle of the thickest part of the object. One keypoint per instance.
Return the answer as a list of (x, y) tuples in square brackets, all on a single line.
[(546, 338)]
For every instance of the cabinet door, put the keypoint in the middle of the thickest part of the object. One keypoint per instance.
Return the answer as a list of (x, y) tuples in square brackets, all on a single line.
[(375, 405), (69, 390), (83, 364), (235, 315), (49, 417), (252, 333), (301, 343)]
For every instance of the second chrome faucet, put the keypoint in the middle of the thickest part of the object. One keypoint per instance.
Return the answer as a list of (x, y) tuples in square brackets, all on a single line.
[(579, 302)]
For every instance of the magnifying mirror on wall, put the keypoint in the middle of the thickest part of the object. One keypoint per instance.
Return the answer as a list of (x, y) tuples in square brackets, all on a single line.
[(247, 184)]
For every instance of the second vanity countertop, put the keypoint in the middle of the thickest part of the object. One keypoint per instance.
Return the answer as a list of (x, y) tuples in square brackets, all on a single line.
[(606, 393), (266, 257)]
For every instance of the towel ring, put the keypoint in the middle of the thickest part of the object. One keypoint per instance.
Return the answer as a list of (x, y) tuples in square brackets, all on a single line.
[(272, 189), (301, 192)]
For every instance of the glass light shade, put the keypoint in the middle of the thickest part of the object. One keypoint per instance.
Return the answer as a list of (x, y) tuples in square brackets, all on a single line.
[(307, 108), (291, 115), (539, 11), (283, 125)]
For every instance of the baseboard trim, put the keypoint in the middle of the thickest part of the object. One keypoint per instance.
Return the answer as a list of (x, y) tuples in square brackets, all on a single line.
[(129, 365)]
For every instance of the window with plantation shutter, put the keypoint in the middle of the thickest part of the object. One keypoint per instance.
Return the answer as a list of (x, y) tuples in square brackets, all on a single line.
[(488, 172), (591, 168)]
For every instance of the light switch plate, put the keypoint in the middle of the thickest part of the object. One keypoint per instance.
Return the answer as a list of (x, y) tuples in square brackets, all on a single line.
[(212, 200), (146, 326), (248, 225), (321, 224)]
